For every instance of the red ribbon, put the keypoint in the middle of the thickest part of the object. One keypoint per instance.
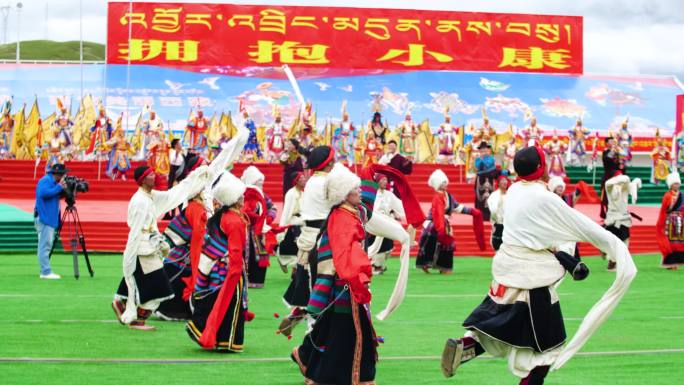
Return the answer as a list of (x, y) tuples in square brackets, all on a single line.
[(143, 175)]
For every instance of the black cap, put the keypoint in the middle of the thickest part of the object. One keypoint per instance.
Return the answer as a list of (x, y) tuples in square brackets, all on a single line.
[(526, 161), (320, 157), (139, 171), (58, 168), (483, 144)]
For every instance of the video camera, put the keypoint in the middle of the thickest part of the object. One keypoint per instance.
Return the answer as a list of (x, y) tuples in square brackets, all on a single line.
[(72, 186)]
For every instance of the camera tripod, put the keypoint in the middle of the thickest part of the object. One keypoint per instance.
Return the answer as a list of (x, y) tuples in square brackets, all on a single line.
[(71, 220)]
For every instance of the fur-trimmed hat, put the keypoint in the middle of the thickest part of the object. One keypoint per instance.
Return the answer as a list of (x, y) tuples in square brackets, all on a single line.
[(555, 182), (437, 178), (672, 179), (252, 176), (229, 189), (339, 183)]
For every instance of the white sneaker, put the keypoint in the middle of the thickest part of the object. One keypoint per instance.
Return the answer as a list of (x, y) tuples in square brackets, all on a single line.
[(50, 276)]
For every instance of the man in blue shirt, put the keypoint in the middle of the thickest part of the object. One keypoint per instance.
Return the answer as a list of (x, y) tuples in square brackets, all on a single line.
[(46, 214)]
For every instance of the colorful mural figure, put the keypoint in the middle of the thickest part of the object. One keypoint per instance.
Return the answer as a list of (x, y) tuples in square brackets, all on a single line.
[(555, 149), (343, 137), (662, 158), (578, 151)]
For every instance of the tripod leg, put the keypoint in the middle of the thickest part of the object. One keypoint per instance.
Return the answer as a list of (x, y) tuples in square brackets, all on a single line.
[(74, 252), (81, 240), (57, 234)]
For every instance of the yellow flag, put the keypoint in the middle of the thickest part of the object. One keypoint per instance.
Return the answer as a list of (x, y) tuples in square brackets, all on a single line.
[(214, 131), (84, 121), (229, 125), (425, 143), (294, 129), (18, 137), (31, 129)]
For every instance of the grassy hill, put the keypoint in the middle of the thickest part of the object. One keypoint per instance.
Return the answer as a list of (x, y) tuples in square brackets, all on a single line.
[(53, 50)]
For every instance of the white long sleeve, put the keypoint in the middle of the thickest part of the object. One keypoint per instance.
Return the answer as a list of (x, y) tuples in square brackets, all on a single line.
[(228, 155), (539, 220), (291, 206)]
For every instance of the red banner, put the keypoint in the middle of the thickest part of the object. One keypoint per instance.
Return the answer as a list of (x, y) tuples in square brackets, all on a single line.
[(189, 34)]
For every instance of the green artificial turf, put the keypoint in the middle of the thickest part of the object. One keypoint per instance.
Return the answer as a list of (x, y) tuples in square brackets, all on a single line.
[(72, 320)]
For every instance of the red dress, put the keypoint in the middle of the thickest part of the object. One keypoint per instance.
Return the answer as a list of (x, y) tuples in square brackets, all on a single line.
[(670, 229)]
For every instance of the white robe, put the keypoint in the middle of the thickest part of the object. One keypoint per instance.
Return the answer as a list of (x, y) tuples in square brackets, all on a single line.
[(534, 224), (291, 207), (144, 237)]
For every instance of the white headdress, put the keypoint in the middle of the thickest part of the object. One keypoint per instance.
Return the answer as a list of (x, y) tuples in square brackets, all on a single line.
[(229, 189), (672, 179), (437, 178), (339, 183), (555, 182), (252, 176)]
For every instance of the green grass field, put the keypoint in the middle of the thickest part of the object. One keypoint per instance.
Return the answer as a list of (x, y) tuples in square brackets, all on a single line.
[(52, 50), (71, 323)]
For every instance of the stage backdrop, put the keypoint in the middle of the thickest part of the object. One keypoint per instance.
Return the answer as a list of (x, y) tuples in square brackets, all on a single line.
[(556, 101), (203, 37)]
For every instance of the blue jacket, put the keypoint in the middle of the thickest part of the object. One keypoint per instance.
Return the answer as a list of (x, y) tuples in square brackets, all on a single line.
[(47, 200), (485, 165)]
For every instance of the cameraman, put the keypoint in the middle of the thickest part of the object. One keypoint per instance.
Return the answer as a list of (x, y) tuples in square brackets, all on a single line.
[(46, 215)]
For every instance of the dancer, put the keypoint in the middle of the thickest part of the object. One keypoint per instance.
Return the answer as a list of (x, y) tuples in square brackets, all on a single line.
[(219, 300), (293, 162), (314, 211), (395, 160), (261, 212), (487, 172), (557, 186), (613, 162), (670, 225), (145, 285), (343, 335), (184, 234), (520, 318), (437, 241), (388, 204), (292, 219), (495, 203), (176, 161), (186, 231), (618, 219)]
